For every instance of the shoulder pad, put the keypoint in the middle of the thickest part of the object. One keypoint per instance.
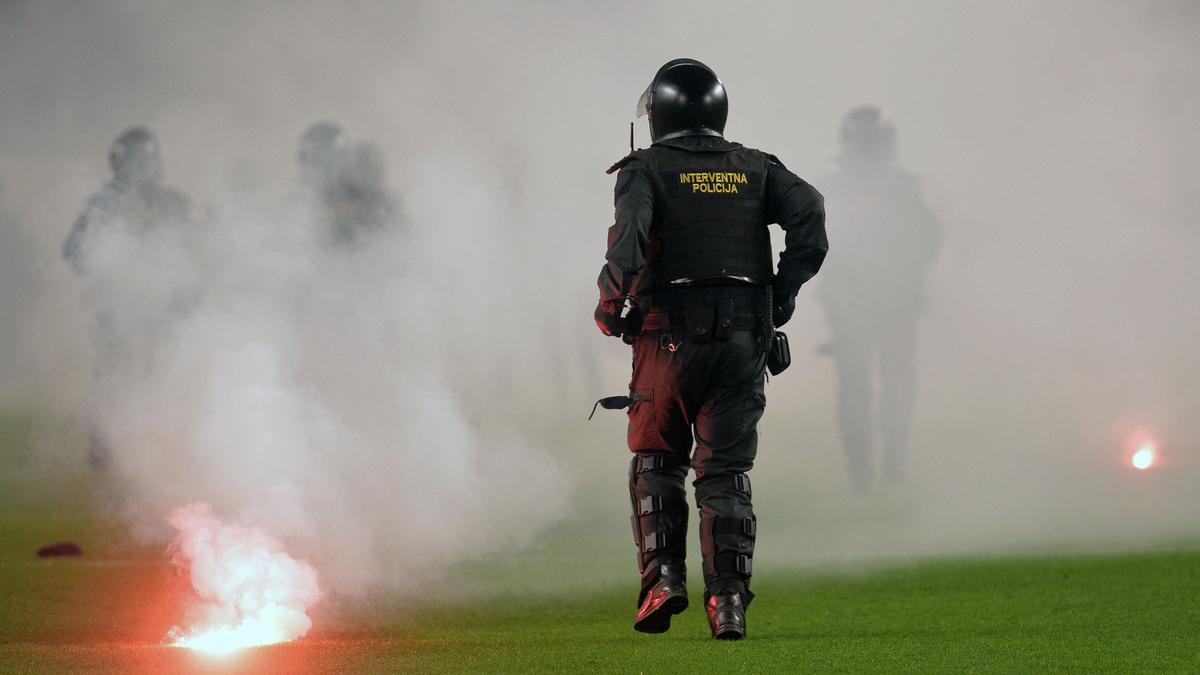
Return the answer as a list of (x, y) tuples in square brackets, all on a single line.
[(775, 160), (622, 162)]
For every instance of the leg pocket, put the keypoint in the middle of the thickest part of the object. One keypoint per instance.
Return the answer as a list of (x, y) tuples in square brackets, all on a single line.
[(643, 423), (751, 414)]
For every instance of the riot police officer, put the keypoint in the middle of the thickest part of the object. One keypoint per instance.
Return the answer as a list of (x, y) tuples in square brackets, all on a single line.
[(134, 203), (134, 199), (690, 283), (874, 294), (322, 155)]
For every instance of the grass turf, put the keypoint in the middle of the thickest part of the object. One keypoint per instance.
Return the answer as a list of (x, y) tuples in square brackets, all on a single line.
[(109, 610)]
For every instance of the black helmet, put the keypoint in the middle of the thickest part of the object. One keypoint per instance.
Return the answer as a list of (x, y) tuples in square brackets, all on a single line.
[(685, 99), (134, 156), (867, 134), (322, 147)]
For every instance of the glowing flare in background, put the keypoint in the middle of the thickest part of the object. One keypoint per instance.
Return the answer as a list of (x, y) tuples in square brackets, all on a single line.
[(249, 591), (1144, 457)]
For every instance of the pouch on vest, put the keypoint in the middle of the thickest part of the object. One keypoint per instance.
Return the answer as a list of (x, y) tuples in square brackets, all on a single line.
[(724, 326), (700, 314)]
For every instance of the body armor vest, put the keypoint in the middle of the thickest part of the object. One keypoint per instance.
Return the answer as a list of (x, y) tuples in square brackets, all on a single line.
[(709, 217)]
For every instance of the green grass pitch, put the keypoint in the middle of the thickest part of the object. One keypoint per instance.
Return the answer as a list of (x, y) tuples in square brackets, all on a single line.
[(108, 611)]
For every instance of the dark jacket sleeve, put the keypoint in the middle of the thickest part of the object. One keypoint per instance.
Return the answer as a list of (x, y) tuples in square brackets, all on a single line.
[(97, 211), (800, 211), (634, 200), (72, 248)]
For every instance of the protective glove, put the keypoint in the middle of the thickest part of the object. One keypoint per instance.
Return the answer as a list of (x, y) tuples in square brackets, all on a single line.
[(608, 319), (785, 305)]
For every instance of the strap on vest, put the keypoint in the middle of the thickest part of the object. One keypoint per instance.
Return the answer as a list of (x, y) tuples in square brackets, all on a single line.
[(621, 163)]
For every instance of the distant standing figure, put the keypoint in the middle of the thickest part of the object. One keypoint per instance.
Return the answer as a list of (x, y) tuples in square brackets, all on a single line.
[(323, 154), (134, 203), (873, 292)]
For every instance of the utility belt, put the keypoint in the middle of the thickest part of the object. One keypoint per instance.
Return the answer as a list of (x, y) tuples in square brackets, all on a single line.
[(702, 314), (706, 313), (678, 322), (742, 298), (674, 328)]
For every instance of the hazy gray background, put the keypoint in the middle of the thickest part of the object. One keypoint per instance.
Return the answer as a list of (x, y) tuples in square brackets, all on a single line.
[(1057, 141)]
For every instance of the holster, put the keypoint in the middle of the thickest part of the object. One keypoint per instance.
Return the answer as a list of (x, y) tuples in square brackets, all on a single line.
[(779, 354)]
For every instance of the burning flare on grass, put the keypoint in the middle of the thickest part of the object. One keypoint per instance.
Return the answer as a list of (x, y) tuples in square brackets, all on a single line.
[(249, 591)]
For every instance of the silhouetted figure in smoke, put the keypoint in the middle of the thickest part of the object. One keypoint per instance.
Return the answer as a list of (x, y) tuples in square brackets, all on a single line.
[(342, 186), (366, 205), (131, 206), (321, 155), (321, 152), (873, 291), (134, 199)]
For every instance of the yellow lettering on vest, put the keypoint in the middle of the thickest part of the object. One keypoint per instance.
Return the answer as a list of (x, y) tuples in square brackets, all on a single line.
[(714, 182)]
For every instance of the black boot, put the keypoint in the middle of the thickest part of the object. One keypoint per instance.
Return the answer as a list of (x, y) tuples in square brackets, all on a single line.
[(726, 616), (667, 597)]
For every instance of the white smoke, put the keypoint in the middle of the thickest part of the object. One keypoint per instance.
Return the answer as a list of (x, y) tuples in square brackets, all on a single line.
[(306, 389), (421, 401), (248, 590)]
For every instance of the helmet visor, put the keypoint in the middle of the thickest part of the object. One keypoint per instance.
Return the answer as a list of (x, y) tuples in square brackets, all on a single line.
[(644, 102)]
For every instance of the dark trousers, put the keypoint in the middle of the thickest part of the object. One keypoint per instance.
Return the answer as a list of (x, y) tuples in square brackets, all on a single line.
[(862, 355), (710, 395)]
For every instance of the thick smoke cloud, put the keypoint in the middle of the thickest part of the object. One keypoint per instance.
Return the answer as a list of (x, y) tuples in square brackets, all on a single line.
[(304, 388), (431, 388)]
